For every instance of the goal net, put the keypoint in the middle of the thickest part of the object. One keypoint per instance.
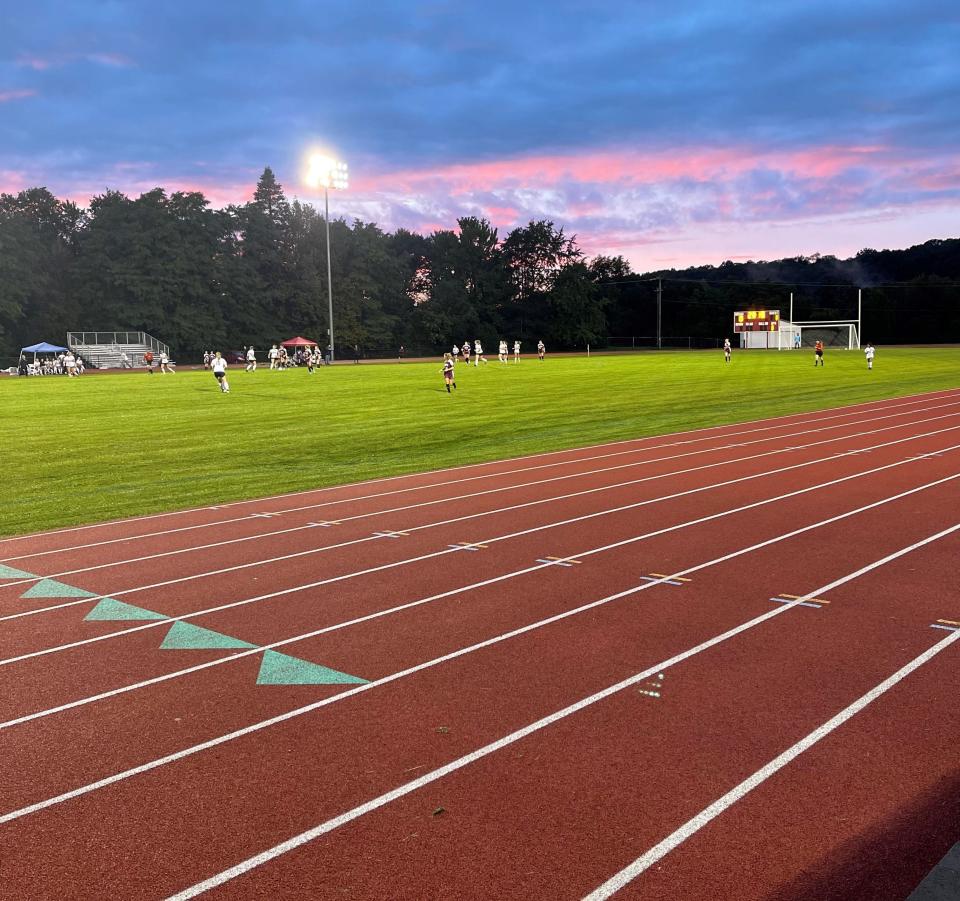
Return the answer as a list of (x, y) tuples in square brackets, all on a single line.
[(832, 334)]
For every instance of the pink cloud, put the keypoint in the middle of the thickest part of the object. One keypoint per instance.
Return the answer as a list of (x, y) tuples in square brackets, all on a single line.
[(8, 96), (632, 167), (37, 63)]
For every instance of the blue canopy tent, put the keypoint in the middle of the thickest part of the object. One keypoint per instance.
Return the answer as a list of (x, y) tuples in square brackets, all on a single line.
[(41, 348)]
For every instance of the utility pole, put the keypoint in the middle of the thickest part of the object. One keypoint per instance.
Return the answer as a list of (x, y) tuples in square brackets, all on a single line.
[(659, 312)]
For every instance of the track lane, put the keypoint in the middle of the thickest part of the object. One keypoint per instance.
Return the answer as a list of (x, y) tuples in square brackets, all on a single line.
[(469, 718), (579, 792), (299, 614)]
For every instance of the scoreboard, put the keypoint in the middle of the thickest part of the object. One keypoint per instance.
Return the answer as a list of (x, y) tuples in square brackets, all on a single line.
[(756, 321)]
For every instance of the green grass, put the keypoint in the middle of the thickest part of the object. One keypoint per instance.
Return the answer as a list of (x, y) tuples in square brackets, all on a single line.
[(104, 446)]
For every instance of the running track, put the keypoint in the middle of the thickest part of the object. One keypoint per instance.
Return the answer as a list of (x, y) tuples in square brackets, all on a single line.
[(717, 664)]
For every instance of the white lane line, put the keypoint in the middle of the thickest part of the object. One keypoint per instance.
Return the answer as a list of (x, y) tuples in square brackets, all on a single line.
[(649, 580), (420, 667), (696, 823), (443, 552), (838, 413), (447, 501), (349, 816), (460, 519)]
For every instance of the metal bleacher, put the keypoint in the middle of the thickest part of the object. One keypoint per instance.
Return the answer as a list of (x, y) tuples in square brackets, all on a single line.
[(104, 350)]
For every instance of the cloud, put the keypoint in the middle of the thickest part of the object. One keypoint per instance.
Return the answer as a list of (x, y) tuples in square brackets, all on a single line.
[(627, 123), (22, 94)]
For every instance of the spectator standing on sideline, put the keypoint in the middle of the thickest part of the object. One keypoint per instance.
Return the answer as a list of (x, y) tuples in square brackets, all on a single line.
[(356, 353)]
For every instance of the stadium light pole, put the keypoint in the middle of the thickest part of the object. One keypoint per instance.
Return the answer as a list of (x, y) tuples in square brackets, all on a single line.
[(327, 173)]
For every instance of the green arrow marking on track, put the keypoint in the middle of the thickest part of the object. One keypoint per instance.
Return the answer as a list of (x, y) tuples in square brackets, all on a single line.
[(188, 637), (109, 610), (8, 572), (48, 588), (279, 669)]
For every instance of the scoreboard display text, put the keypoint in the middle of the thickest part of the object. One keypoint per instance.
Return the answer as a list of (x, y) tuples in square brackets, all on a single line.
[(756, 321)]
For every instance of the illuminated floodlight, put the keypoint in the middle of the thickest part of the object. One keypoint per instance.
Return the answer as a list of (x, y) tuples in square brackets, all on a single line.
[(326, 172)]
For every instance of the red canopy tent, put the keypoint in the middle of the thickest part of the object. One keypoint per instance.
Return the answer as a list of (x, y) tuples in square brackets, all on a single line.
[(298, 342)]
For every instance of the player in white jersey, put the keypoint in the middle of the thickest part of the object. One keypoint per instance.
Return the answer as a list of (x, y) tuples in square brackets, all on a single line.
[(251, 359), (727, 350), (869, 352), (541, 350), (478, 353), (219, 367), (502, 352), (516, 351)]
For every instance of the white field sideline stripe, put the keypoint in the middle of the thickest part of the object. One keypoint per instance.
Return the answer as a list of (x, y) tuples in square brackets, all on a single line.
[(838, 413), (420, 667), (485, 751), (248, 517), (435, 554), (393, 610), (461, 497), (448, 550), (458, 519), (696, 823)]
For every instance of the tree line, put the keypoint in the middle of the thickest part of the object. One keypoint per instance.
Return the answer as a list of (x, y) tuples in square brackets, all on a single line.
[(199, 277)]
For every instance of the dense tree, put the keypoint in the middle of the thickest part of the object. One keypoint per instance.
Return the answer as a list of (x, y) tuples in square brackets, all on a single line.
[(257, 273)]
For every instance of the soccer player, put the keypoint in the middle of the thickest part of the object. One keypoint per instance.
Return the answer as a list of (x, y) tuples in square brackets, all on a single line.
[(273, 355), (448, 376), (502, 351), (455, 352), (869, 351), (164, 363), (516, 351), (541, 350), (818, 353), (727, 350), (465, 347), (478, 353), (148, 359), (251, 359), (219, 367)]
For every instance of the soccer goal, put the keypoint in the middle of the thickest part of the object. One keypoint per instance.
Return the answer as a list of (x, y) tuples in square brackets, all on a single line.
[(833, 333)]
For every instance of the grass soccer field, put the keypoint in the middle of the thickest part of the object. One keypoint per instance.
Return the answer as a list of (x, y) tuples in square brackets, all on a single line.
[(107, 446)]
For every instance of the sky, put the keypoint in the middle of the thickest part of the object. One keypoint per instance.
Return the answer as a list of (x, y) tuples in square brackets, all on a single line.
[(673, 133)]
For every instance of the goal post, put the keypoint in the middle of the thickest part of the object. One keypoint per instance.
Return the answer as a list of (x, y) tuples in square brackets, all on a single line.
[(833, 333)]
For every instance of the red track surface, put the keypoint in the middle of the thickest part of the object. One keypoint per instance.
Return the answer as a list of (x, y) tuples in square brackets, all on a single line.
[(477, 762)]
